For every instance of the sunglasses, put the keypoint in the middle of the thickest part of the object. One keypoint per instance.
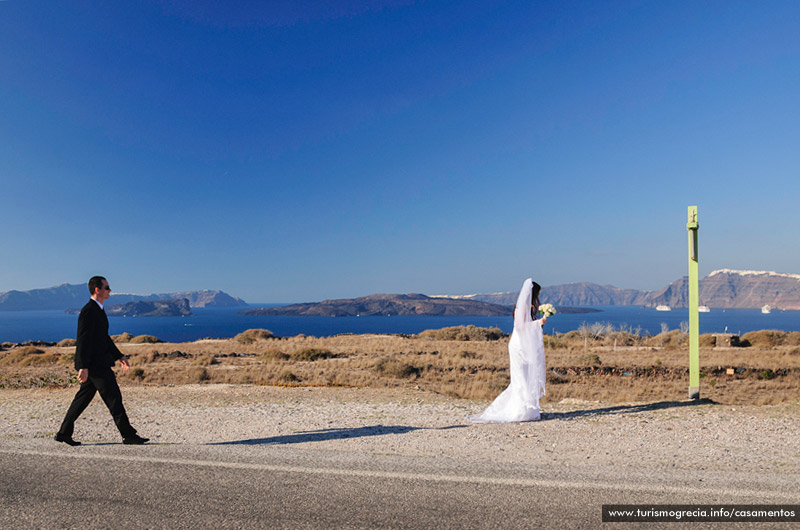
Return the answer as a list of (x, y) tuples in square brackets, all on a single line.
[(106, 288)]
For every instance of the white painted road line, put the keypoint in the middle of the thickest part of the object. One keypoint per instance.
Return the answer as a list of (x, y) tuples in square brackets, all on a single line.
[(463, 479)]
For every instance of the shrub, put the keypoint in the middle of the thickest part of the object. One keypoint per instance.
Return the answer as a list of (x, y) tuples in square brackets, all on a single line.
[(676, 339), (39, 359), (630, 330), (145, 339), (287, 376), (621, 338), (559, 342), (463, 333), (669, 340), (311, 354), (273, 355), (554, 378), (197, 375), (122, 338), (30, 350), (20, 356), (67, 358), (591, 359), (708, 340), (595, 330), (569, 340), (765, 338), (136, 373), (394, 368), (175, 354), (205, 360), (66, 343), (252, 335), (497, 384), (149, 357), (766, 374)]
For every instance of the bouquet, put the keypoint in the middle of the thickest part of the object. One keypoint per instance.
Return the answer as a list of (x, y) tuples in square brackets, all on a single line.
[(547, 310)]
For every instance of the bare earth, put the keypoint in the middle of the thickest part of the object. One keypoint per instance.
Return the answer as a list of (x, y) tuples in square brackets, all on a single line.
[(372, 432), (754, 446)]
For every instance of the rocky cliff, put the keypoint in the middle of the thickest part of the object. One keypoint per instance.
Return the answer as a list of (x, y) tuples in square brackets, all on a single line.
[(158, 308), (207, 298), (728, 288), (571, 294), (591, 294), (59, 297), (675, 294), (722, 288)]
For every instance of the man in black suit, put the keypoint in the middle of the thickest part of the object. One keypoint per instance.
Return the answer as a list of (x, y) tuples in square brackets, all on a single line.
[(95, 354)]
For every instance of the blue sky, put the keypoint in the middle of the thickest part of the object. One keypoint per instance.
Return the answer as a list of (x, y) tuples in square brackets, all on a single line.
[(294, 151)]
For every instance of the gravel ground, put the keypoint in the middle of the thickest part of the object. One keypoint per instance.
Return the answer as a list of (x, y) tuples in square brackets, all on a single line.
[(633, 439)]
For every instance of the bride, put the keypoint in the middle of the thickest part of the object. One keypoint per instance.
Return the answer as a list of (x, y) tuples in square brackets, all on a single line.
[(520, 401)]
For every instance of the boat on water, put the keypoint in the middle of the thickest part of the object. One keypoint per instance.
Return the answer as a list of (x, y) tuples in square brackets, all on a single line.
[(766, 309), (663, 307), (704, 309)]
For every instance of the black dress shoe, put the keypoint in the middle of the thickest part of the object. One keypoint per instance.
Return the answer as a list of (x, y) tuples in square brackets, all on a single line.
[(135, 440), (67, 440)]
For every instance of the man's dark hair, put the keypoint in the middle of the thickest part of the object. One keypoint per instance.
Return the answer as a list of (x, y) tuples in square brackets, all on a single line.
[(95, 282)]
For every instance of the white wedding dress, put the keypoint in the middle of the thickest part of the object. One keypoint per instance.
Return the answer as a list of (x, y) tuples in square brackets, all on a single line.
[(520, 401)]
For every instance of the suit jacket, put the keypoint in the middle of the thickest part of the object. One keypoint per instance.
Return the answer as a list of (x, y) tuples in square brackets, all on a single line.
[(94, 349)]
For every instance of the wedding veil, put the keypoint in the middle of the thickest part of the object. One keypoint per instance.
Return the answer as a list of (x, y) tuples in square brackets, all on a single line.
[(520, 401), (531, 353)]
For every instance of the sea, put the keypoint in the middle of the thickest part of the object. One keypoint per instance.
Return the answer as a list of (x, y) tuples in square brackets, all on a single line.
[(52, 326)]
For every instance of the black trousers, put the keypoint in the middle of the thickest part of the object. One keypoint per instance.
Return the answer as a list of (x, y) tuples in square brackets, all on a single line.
[(105, 382)]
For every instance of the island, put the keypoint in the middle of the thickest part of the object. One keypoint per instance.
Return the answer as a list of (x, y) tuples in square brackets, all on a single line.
[(156, 308), (386, 305), (393, 305), (67, 295)]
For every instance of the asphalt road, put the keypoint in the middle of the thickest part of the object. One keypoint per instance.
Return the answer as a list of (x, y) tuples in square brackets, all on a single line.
[(48, 485)]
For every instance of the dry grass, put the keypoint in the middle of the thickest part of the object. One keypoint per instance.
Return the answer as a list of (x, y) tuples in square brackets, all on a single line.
[(311, 354), (388, 367), (122, 338), (463, 333), (253, 335), (769, 338), (611, 366), (28, 356), (127, 338), (144, 339), (273, 354)]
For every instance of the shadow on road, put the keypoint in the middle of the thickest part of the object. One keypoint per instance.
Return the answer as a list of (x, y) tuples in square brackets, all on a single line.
[(335, 434), (383, 430), (626, 409)]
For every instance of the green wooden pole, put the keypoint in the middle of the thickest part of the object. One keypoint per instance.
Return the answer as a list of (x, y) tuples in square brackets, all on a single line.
[(694, 316)]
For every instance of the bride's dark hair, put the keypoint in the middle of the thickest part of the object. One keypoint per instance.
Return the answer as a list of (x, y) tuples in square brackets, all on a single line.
[(535, 299)]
